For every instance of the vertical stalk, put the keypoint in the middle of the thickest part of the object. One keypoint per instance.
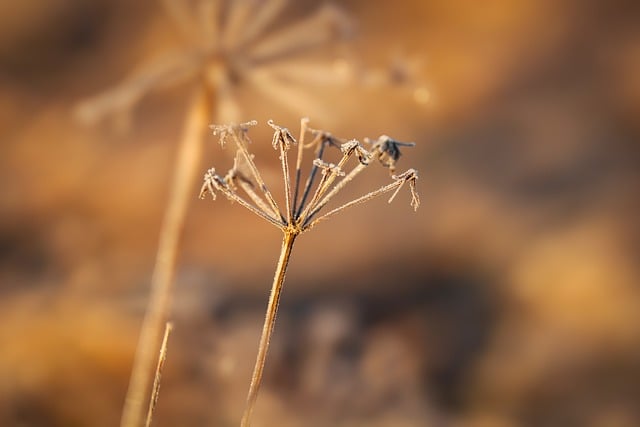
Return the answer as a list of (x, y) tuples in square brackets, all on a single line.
[(269, 321), (186, 171), (162, 358)]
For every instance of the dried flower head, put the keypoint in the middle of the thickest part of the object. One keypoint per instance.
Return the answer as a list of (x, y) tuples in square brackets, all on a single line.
[(304, 211), (231, 43)]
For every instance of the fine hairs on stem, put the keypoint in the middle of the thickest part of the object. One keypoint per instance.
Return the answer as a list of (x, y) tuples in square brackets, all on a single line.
[(244, 184)]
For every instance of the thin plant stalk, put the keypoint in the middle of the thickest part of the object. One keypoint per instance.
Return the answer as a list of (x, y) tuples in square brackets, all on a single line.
[(186, 168), (269, 321), (155, 391)]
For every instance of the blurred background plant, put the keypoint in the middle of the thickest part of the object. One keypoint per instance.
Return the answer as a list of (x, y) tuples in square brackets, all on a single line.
[(511, 298)]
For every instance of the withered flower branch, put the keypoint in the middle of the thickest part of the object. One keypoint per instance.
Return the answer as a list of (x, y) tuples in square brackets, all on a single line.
[(299, 215)]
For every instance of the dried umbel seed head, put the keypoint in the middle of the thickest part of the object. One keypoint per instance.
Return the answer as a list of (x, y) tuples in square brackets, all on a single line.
[(305, 204)]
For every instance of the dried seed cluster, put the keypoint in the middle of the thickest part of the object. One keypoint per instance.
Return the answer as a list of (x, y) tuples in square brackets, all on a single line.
[(244, 184)]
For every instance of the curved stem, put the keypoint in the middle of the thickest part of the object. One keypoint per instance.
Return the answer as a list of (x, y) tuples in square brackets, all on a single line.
[(269, 321), (186, 171)]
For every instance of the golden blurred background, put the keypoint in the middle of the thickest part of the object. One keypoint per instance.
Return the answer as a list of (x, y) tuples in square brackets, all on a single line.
[(511, 298)]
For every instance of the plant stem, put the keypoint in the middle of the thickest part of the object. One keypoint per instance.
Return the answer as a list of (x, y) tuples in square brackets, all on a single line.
[(155, 390), (186, 171), (269, 321)]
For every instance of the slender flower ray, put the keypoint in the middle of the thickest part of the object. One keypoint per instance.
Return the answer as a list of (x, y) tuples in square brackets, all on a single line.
[(237, 177), (296, 223), (326, 24), (336, 189), (209, 19), (261, 20), (285, 94), (385, 150), (329, 175), (171, 69), (323, 140), (236, 21), (296, 186), (248, 189), (411, 174), (239, 139), (213, 181), (282, 140)]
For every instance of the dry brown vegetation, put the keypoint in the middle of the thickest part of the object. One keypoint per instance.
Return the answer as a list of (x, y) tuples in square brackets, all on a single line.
[(510, 298)]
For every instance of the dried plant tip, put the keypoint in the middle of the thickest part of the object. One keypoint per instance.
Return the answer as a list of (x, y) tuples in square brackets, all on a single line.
[(207, 186), (410, 176), (349, 147), (328, 167), (415, 199), (354, 146), (281, 136)]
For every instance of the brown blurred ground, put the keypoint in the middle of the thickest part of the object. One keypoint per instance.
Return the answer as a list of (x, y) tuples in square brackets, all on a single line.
[(512, 297)]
